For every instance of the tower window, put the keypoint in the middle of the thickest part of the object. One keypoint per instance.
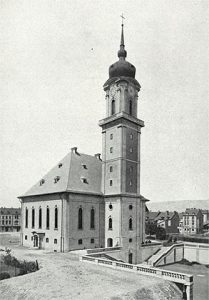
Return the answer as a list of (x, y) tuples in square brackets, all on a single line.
[(130, 240), (84, 166), (111, 149), (110, 182), (113, 107), (55, 241), (131, 150), (130, 224), (60, 165), (47, 240), (110, 224), (130, 107), (130, 207), (110, 206), (111, 168), (130, 183), (84, 180), (111, 136), (131, 169), (131, 136)]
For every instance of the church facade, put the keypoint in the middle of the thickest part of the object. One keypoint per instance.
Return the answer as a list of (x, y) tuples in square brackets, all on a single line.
[(89, 202)]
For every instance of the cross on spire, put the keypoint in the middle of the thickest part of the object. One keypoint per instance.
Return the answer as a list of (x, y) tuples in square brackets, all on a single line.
[(123, 18)]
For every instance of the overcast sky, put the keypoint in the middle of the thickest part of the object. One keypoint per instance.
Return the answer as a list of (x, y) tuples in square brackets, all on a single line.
[(55, 57)]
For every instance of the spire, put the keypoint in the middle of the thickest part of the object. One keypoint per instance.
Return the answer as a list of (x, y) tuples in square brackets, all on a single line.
[(122, 52)]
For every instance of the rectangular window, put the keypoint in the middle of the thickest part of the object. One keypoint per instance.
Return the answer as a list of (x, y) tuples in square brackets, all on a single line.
[(111, 182), (111, 168), (80, 242), (111, 136), (47, 240), (55, 241), (92, 241), (26, 237), (111, 149)]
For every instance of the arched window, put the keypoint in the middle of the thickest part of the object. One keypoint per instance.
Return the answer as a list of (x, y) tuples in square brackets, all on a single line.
[(40, 218), (56, 218), (92, 221), (130, 107), (113, 107), (130, 224), (33, 217), (47, 217), (26, 218), (110, 224), (80, 218)]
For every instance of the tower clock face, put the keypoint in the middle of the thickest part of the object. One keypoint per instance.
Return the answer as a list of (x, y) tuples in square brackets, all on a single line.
[(113, 90)]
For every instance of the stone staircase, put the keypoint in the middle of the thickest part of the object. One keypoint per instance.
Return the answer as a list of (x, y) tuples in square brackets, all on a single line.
[(154, 258)]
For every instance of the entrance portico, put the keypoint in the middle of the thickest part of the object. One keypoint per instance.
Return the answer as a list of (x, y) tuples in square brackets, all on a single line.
[(38, 239)]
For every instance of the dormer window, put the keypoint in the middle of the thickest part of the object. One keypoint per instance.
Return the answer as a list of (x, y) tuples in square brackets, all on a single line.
[(84, 180), (56, 179), (84, 166), (60, 165), (42, 182)]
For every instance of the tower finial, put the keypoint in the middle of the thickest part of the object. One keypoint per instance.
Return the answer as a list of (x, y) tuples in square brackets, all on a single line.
[(122, 52)]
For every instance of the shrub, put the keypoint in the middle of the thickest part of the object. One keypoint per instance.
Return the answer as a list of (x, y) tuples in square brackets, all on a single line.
[(4, 275)]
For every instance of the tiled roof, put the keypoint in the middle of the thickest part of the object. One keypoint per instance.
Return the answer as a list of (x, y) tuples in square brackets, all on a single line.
[(165, 215), (10, 211), (76, 172), (192, 211), (152, 215)]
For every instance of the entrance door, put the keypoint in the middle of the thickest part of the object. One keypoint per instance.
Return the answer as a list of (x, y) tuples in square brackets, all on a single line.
[(35, 239), (130, 258), (109, 242)]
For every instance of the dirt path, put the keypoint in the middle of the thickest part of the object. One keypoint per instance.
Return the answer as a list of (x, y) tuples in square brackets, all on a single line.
[(63, 276)]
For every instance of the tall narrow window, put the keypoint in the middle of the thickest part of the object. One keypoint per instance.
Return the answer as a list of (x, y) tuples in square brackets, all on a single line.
[(130, 107), (47, 217), (80, 218), (40, 218), (110, 224), (113, 107), (33, 217), (130, 224), (56, 218), (92, 221), (26, 218)]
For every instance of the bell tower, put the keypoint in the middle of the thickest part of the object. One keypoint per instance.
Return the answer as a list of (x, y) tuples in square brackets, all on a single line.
[(121, 130)]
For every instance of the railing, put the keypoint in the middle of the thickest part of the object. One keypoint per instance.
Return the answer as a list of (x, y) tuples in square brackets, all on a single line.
[(168, 252), (99, 250), (185, 279)]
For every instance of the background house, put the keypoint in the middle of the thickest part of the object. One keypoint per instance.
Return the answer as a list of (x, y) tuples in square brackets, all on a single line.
[(192, 221), (10, 219)]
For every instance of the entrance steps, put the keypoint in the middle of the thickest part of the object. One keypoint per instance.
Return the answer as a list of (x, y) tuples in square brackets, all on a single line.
[(154, 258)]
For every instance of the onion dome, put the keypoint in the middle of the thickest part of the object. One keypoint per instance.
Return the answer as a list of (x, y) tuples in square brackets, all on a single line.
[(122, 67)]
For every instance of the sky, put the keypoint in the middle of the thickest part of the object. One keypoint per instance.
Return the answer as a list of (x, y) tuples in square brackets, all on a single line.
[(54, 61)]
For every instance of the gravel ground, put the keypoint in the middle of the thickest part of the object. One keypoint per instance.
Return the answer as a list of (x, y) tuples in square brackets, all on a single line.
[(63, 276)]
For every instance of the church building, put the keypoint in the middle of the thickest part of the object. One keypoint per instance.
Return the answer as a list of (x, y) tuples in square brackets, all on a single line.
[(92, 202)]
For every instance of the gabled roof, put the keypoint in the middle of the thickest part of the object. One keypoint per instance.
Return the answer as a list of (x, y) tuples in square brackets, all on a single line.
[(76, 172), (152, 215), (165, 215), (192, 211)]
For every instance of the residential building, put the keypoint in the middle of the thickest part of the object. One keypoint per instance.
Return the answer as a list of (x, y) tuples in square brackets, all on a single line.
[(192, 221), (10, 219)]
